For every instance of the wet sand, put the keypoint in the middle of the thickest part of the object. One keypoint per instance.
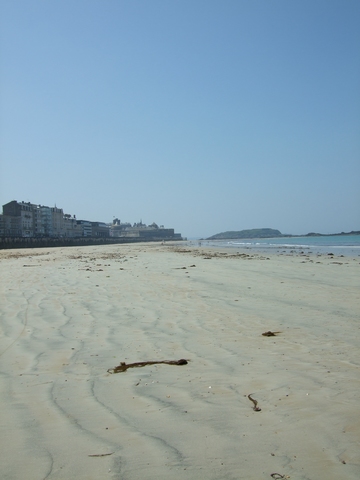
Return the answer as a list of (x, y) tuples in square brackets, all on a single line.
[(68, 315)]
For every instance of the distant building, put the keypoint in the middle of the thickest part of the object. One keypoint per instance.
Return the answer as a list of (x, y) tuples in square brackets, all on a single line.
[(57, 219), (25, 219), (45, 224), (26, 213), (10, 226), (139, 230), (100, 229), (117, 228), (71, 227), (86, 228)]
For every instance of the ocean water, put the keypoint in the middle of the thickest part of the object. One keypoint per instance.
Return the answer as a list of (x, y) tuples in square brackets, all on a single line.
[(347, 245)]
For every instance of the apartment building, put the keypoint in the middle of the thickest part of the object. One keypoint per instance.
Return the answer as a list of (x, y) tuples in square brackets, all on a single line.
[(10, 226), (44, 225), (71, 227), (57, 219), (26, 219), (24, 211)]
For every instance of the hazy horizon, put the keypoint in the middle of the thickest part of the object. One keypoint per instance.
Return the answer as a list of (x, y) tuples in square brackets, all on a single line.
[(202, 116)]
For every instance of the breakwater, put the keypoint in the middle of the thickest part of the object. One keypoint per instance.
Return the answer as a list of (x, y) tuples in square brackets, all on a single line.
[(23, 242)]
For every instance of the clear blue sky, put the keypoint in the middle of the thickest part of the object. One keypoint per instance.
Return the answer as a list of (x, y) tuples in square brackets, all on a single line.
[(201, 115)]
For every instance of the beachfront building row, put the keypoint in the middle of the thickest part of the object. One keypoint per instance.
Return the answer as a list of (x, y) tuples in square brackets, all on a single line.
[(25, 219)]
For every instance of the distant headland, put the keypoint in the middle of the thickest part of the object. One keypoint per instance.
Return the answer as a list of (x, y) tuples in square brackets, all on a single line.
[(269, 233)]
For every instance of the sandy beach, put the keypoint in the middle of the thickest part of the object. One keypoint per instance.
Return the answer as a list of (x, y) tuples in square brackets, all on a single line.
[(70, 315)]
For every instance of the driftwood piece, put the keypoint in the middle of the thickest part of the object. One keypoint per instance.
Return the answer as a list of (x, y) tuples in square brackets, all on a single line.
[(101, 454), (123, 366), (270, 334)]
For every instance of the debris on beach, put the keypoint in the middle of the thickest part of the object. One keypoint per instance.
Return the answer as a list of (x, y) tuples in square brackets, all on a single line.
[(101, 454), (270, 334), (123, 366), (255, 402)]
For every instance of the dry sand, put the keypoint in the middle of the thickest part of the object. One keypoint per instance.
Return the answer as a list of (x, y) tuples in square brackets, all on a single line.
[(70, 314)]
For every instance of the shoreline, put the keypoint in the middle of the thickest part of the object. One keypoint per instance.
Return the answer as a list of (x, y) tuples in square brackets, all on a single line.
[(234, 251), (68, 315), (260, 246)]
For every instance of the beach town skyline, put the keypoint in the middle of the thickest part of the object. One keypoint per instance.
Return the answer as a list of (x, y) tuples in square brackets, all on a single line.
[(26, 219)]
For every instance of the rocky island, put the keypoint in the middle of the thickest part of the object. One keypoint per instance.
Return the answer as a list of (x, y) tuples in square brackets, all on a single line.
[(269, 233), (252, 233)]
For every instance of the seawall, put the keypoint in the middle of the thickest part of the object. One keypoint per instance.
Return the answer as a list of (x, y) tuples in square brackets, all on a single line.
[(20, 242)]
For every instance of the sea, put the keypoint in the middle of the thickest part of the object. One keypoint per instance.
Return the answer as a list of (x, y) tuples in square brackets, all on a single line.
[(346, 245)]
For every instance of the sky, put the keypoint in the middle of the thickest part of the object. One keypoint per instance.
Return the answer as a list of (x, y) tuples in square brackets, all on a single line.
[(200, 115)]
